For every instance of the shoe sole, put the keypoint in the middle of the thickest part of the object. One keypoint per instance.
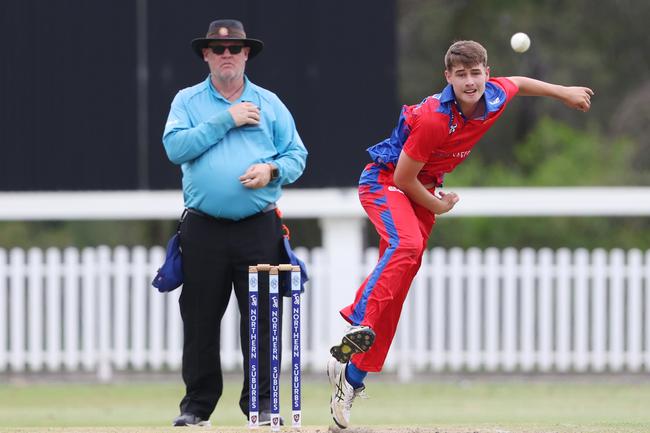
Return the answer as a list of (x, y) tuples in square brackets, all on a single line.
[(353, 343)]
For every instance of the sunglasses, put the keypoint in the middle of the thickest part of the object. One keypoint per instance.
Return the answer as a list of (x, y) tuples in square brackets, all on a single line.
[(220, 49)]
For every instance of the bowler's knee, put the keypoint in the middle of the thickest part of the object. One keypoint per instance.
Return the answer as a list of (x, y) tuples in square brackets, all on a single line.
[(411, 249)]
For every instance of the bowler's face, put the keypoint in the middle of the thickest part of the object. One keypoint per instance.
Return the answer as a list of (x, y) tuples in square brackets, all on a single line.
[(468, 82), (226, 66)]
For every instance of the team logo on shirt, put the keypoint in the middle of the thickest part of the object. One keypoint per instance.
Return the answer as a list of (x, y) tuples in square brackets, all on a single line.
[(452, 123)]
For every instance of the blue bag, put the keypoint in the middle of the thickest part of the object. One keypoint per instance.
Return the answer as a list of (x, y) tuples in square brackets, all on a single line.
[(291, 258), (170, 275)]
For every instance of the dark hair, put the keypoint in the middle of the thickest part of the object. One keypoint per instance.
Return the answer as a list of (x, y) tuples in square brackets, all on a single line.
[(466, 53)]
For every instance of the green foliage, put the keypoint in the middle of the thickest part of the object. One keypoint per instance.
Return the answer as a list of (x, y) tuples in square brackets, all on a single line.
[(547, 232), (26, 234), (81, 234), (553, 154)]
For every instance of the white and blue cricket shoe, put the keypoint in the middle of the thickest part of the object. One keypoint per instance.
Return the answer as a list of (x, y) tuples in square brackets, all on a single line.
[(343, 394), (357, 339)]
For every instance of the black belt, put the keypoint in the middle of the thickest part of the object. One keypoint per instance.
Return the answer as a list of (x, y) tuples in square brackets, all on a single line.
[(270, 207)]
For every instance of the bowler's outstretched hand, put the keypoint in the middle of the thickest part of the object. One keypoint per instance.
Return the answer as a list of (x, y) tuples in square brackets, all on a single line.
[(578, 97)]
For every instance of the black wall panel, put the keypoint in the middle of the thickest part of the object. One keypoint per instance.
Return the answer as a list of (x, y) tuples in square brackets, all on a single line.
[(67, 117), (69, 85)]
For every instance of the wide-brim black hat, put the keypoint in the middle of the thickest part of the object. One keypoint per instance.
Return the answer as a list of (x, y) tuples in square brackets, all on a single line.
[(227, 30)]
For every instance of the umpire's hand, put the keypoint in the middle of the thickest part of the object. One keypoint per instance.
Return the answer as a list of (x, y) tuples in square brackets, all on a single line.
[(245, 113), (257, 176)]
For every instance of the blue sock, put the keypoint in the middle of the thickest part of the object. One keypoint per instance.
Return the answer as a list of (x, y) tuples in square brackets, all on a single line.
[(354, 375)]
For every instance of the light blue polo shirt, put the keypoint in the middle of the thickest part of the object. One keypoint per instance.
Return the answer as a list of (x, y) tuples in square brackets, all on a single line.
[(201, 137)]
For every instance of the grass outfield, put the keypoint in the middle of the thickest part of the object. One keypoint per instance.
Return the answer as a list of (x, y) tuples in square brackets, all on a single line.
[(427, 406)]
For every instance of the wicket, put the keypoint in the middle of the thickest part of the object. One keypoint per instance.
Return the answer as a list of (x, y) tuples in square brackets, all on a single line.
[(274, 317)]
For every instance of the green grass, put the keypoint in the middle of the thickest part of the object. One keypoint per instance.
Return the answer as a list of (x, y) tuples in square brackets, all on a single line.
[(470, 405)]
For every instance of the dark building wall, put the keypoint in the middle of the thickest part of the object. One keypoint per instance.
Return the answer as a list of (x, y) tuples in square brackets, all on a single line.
[(72, 115), (67, 117)]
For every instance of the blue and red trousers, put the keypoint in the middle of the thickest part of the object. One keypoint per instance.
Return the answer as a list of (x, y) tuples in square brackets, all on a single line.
[(403, 227)]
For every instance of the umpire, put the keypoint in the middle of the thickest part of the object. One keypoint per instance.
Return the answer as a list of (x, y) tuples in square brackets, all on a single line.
[(237, 145)]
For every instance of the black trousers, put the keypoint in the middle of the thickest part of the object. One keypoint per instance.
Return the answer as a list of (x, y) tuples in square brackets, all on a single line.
[(216, 256)]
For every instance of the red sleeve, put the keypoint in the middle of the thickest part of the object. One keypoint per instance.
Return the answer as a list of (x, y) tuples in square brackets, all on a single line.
[(427, 133), (507, 85)]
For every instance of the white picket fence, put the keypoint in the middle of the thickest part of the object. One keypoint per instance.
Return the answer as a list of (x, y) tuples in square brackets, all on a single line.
[(468, 310)]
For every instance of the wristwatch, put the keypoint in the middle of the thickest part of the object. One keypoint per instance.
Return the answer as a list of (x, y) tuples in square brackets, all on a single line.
[(275, 172)]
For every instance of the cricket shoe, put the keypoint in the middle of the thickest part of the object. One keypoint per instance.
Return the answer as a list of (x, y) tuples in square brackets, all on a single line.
[(343, 394), (189, 419), (357, 339)]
